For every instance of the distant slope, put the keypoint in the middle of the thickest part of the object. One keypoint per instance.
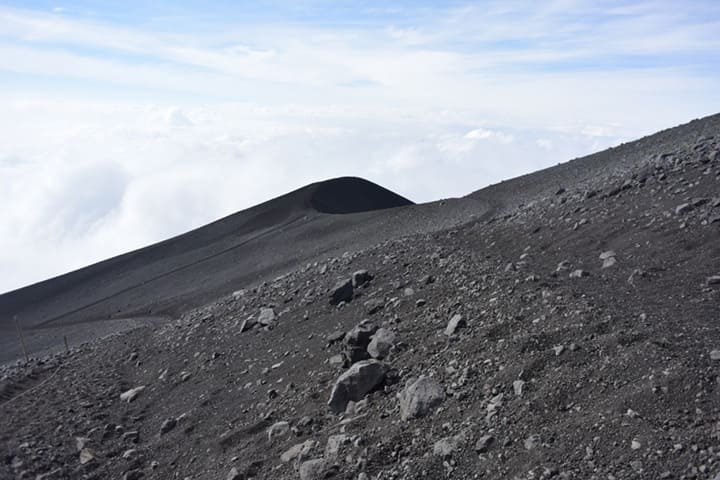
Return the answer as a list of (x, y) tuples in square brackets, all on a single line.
[(166, 277), (607, 165)]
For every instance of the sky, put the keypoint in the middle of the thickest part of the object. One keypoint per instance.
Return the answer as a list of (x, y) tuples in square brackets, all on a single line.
[(123, 123)]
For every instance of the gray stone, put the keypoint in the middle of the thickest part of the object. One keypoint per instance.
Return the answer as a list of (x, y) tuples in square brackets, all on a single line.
[(518, 386), (483, 443), (360, 278), (313, 469), (381, 343), (714, 280), (86, 456), (167, 425), (133, 474), (608, 259), (607, 254), (278, 429), (579, 274), (357, 341), (334, 444), (131, 394), (341, 292), (445, 447), (532, 442), (684, 208), (359, 380), (233, 474), (247, 324), (300, 450), (374, 305), (715, 354), (420, 397), (456, 322), (266, 317), (564, 265)]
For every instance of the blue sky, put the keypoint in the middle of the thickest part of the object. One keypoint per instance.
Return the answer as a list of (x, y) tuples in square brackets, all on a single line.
[(123, 123)]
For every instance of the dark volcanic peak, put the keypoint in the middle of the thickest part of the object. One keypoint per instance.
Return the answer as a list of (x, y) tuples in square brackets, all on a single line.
[(352, 195), (165, 278)]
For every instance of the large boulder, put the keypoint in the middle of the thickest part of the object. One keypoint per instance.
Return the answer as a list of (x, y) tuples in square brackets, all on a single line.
[(360, 278), (359, 380), (456, 322), (420, 397), (357, 341), (266, 317), (313, 469), (381, 343), (341, 292)]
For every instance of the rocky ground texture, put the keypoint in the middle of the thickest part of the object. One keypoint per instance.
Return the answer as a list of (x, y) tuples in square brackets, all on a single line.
[(574, 336)]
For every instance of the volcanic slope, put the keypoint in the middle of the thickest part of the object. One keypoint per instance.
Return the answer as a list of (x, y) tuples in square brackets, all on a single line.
[(161, 281), (572, 332)]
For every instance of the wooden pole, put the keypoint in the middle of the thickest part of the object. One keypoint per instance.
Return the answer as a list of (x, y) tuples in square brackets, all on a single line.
[(22, 340)]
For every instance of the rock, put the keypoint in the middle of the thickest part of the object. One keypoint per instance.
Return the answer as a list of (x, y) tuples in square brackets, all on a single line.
[(518, 386), (714, 280), (278, 429), (483, 443), (579, 274), (334, 443), (247, 324), (357, 341), (360, 379), (682, 209), (86, 456), (233, 474), (559, 349), (635, 445), (131, 436), (456, 322), (335, 337), (381, 343), (445, 447), (562, 266), (81, 442), (313, 469), (337, 360), (715, 354), (129, 454), (131, 394), (607, 254), (427, 280), (531, 442), (341, 292), (134, 474), (408, 292), (167, 425), (266, 317), (360, 278), (608, 259), (301, 450), (374, 305), (420, 397)]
